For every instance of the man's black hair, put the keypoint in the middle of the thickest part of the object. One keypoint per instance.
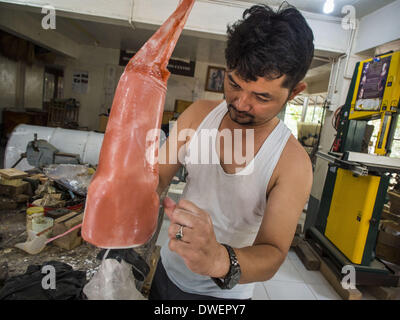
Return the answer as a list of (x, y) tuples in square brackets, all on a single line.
[(270, 44)]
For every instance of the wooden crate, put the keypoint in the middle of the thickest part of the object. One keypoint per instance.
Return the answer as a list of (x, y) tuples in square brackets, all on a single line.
[(63, 224), (12, 191), (7, 204), (388, 244), (387, 215), (394, 199), (12, 173)]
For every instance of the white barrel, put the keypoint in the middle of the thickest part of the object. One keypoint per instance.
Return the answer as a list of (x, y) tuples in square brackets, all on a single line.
[(86, 144)]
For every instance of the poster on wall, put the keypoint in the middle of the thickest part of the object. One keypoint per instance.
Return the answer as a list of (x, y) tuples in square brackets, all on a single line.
[(175, 66), (80, 81), (372, 85)]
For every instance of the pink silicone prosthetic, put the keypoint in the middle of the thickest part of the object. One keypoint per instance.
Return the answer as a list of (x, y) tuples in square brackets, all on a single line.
[(122, 203)]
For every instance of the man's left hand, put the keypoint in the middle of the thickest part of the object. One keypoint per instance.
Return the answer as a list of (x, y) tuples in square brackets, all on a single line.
[(198, 247)]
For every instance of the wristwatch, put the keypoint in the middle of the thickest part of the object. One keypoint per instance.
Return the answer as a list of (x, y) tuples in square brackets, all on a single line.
[(233, 276)]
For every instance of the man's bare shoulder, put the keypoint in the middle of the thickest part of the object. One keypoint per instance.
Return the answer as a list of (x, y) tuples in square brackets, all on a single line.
[(295, 164), (198, 110)]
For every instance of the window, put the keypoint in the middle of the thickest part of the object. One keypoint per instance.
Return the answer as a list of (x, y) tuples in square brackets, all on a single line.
[(292, 116), (312, 114), (396, 141)]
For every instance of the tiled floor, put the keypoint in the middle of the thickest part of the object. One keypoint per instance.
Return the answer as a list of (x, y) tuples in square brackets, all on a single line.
[(294, 282)]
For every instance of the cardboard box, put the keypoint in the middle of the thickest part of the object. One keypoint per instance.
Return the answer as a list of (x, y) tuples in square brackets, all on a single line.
[(388, 243), (394, 199), (103, 123)]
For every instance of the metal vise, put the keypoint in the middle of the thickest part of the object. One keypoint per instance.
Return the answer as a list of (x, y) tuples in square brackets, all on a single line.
[(40, 153)]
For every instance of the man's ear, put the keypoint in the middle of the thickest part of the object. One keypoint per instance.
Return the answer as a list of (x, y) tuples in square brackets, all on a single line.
[(300, 87)]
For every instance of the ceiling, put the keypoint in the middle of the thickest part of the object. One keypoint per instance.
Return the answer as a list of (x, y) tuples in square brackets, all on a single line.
[(191, 47), (363, 7)]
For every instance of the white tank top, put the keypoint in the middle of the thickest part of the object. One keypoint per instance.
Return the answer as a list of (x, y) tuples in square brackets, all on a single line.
[(235, 202)]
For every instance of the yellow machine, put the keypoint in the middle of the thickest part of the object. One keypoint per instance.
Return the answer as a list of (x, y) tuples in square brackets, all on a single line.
[(356, 185), (349, 216), (376, 94)]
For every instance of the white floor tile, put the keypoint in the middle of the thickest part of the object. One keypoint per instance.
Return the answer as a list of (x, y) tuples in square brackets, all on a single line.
[(309, 277), (286, 290), (259, 292), (324, 292), (287, 272)]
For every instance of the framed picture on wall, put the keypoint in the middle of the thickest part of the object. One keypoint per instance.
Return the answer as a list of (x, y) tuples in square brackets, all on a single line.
[(215, 79)]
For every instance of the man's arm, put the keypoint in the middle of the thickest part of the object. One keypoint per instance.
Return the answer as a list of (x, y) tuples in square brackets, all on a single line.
[(284, 206)]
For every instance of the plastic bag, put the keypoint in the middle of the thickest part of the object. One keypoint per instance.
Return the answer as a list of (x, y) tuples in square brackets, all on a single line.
[(72, 176), (113, 281)]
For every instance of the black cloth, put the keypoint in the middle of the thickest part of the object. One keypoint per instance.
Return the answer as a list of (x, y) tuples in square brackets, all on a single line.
[(28, 286), (162, 288)]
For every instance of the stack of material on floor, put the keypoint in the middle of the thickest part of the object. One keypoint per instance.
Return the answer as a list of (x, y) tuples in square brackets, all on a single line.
[(13, 190), (388, 243), (47, 195)]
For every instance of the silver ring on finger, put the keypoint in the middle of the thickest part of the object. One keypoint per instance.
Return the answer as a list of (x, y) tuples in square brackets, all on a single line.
[(179, 234)]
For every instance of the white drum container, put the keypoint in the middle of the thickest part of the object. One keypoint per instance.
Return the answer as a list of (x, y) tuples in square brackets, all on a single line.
[(85, 143)]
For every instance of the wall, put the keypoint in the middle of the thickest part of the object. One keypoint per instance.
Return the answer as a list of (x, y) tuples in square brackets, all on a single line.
[(33, 92), (190, 88), (391, 46), (21, 86), (318, 86), (97, 99), (94, 61), (379, 27), (8, 83)]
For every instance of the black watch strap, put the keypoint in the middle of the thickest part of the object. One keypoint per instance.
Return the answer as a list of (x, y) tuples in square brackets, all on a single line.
[(233, 276)]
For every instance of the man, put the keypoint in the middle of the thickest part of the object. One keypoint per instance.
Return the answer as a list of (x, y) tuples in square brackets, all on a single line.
[(235, 222)]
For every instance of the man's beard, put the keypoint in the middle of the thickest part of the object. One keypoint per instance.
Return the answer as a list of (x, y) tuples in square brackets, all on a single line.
[(240, 117)]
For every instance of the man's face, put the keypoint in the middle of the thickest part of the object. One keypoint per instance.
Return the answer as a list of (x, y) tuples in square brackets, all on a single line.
[(256, 102)]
